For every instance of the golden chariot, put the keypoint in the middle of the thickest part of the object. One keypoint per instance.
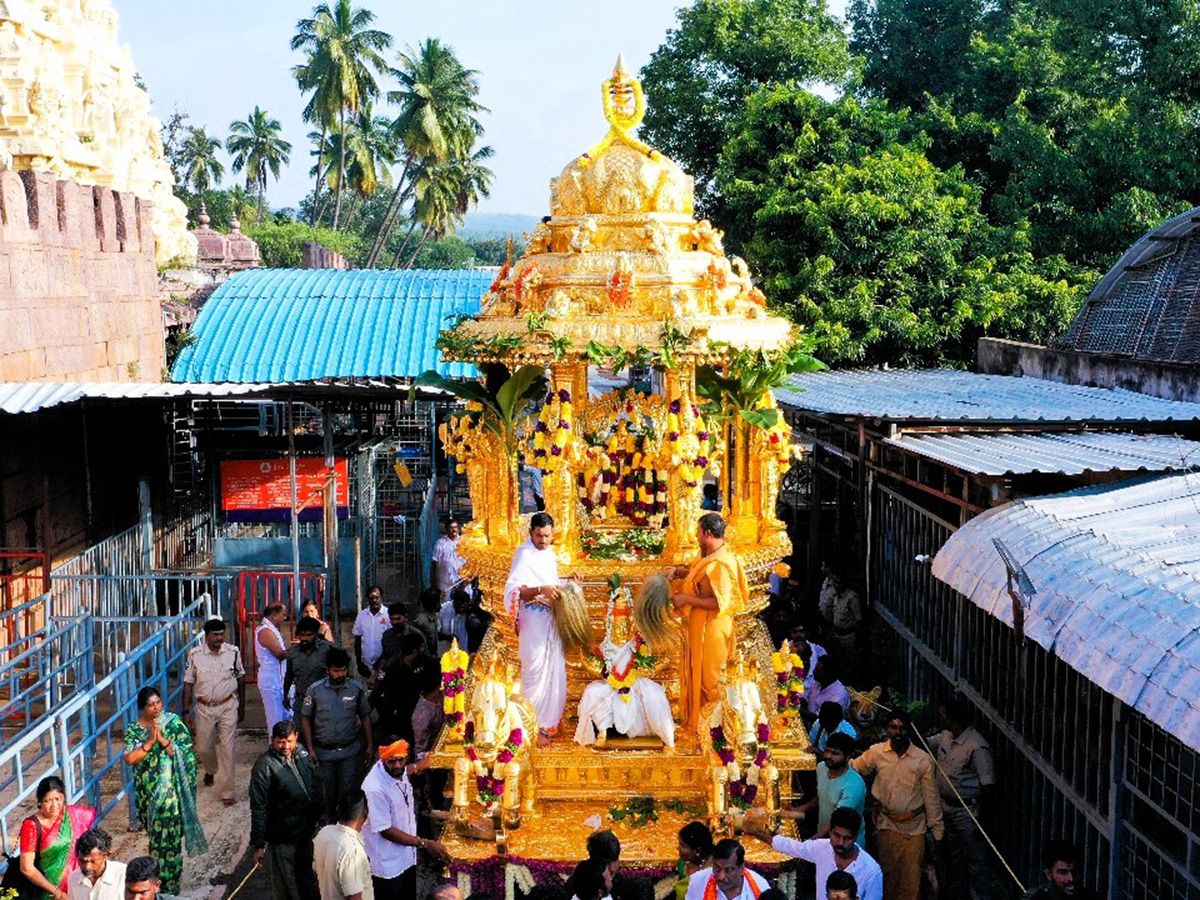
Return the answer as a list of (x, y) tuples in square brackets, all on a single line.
[(619, 277)]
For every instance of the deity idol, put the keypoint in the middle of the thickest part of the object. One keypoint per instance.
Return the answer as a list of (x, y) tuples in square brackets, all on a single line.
[(634, 705)]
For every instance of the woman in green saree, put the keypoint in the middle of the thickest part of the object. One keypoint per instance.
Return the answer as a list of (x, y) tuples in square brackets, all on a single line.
[(48, 839), (159, 747)]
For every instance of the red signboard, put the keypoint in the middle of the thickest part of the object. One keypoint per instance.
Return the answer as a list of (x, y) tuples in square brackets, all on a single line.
[(263, 486)]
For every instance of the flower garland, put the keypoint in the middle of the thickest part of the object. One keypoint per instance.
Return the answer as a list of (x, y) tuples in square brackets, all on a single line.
[(529, 278), (628, 545), (743, 784), (620, 285), (552, 431), (789, 681), (688, 442), (490, 785), (454, 689), (621, 679)]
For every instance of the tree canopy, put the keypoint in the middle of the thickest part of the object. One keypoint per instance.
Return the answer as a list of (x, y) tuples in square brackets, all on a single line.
[(977, 168)]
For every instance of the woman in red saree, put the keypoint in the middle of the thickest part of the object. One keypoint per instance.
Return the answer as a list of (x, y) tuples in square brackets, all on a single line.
[(48, 839)]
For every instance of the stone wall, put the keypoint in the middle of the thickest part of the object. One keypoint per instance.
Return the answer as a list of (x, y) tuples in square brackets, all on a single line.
[(1170, 381), (317, 257), (78, 285)]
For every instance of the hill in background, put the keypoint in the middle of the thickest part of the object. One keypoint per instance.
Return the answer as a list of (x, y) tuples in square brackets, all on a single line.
[(496, 225)]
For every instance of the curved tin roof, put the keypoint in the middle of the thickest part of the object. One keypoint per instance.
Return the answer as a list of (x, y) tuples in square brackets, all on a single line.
[(1148, 305), (273, 325), (1116, 574)]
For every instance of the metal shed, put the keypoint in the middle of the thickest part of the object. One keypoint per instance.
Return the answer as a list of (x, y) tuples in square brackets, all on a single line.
[(311, 324)]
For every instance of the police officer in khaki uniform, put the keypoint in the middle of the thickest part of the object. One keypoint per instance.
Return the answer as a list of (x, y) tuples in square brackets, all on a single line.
[(213, 678)]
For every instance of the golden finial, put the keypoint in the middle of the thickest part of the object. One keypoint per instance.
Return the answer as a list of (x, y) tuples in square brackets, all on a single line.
[(624, 108), (620, 72)]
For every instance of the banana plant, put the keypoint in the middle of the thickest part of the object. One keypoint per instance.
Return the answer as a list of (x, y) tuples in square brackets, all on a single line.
[(500, 410), (752, 374)]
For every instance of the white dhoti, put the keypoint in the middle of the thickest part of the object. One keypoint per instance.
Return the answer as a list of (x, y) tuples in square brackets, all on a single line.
[(643, 710), (543, 668)]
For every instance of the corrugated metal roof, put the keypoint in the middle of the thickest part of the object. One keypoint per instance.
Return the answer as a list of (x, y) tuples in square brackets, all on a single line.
[(27, 397), (272, 325), (1116, 571), (1071, 453), (954, 395), (1146, 305)]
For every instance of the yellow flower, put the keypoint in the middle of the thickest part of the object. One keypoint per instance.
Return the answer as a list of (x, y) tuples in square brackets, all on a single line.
[(474, 406), (539, 441), (783, 570)]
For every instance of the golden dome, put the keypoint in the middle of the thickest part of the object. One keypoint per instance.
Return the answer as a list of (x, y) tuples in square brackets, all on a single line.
[(620, 263)]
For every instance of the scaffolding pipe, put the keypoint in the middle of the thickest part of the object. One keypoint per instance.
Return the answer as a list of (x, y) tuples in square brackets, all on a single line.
[(291, 430)]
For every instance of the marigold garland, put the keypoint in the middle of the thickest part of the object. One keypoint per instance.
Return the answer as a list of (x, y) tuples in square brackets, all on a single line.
[(552, 431), (789, 681), (454, 687)]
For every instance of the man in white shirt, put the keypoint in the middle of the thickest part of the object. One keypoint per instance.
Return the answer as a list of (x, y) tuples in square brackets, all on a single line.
[(446, 562), (841, 607), (98, 877), (343, 870), (728, 879), (838, 852), (827, 688), (452, 620), (529, 594), (369, 626), (390, 832)]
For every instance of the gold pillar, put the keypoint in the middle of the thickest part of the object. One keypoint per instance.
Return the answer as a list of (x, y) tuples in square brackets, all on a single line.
[(682, 504)]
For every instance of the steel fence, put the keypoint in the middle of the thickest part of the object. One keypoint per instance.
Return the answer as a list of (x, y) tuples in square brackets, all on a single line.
[(1074, 762), (81, 739)]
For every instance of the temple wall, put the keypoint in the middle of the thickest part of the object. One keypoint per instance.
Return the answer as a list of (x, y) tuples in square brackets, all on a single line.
[(78, 284)]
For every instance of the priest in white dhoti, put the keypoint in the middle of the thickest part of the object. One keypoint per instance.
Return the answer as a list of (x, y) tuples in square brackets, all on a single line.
[(626, 699), (532, 588)]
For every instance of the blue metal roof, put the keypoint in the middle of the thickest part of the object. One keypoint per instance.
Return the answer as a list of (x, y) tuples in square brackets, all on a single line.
[(1116, 574), (272, 325), (957, 396)]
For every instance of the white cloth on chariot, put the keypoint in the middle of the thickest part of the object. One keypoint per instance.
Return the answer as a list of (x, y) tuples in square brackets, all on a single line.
[(543, 666), (644, 710)]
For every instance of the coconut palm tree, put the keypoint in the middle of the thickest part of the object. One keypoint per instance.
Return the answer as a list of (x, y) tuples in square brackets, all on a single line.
[(445, 194), (256, 146), (201, 168), (437, 120), (343, 56)]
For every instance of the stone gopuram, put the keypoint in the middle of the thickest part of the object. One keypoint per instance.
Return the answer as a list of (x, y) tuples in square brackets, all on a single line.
[(69, 105)]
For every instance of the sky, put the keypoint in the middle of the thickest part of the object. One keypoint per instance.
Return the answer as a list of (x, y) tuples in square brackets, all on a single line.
[(540, 63)]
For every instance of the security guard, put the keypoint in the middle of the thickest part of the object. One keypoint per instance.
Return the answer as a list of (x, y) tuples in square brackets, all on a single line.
[(213, 678), (335, 721)]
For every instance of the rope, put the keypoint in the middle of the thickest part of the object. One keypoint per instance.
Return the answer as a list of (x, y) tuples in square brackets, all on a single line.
[(253, 868), (966, 807)]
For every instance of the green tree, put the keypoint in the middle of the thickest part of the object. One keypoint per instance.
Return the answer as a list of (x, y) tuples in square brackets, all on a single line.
[(343, 57), (437, 121), (721, 52), (879, 253), (449, 253), (281, 244), (256, 146), (199, 162), (444, 193)]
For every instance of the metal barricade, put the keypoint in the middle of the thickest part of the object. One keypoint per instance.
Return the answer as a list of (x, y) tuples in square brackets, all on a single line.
[(258, 589), (82, 739)]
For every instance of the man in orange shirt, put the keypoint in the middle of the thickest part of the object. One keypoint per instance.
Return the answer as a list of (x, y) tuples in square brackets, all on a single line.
[(713, 590)]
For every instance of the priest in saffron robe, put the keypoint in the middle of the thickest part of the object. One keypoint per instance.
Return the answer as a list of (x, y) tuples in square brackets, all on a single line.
[(529, 593), (713, 590)]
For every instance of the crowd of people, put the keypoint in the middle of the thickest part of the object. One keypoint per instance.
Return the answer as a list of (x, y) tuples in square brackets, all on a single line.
[(343, 804)]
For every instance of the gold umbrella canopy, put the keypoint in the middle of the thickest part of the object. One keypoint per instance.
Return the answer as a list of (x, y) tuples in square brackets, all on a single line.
[(620, 268)]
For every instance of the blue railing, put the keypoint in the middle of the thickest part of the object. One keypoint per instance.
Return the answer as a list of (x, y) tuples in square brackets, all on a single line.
[(81, 739)]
